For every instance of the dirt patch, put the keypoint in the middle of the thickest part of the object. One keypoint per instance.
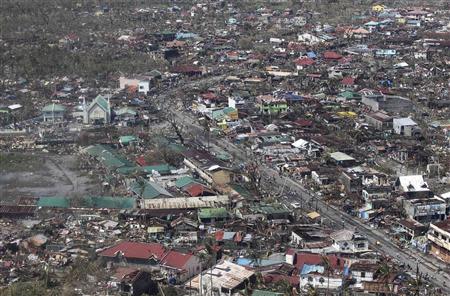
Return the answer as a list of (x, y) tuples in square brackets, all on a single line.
[(34, 175)]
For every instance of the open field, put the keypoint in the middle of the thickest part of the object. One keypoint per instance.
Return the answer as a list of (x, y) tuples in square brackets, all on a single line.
[(33, 175)]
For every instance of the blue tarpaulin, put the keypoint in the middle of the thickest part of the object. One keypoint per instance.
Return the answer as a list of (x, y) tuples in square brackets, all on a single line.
[(312, 268)]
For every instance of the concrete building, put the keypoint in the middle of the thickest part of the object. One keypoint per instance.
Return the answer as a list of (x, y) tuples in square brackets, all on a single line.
[(140, 84), (406, 127), (412, 187), (379, 120), (425, 210), (210, 169), (439, 238), (347, 241), (342, 159), (53, 112), (390, 104), (225, 278), (98, 112)]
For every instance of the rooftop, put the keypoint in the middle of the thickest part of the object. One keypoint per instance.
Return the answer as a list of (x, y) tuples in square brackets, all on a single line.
[(444, 225), (226, 275), (135, 250), (340, 156)]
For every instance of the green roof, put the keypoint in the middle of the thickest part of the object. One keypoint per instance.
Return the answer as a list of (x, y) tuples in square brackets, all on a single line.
[(266, 293), (349, 95), (163, 169), (53, 202), (218, 114), (109, 202), (108, 156), (128, 170), (184, 181), (126, 110), (148, 189), (54, 108), (228, 110), (224, 156), (102, 102), (125, 140), (212, 213), (242, 190)]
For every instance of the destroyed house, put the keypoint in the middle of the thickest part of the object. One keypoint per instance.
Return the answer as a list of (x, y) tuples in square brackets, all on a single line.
[(177, 265), (379, 120), (213, 215), (212, 170), (413, 186), (390, 104), (148, 190), (139, 84), (425, 210), (310, 237), (270, 105), (53, 113), (406, 127), (132, 281), (226, 278), (108, 157), (439, 237), (411, 228), (342, 159)]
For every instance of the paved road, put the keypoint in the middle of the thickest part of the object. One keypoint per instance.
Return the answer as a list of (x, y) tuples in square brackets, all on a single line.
[(385, 246), (337, 217)]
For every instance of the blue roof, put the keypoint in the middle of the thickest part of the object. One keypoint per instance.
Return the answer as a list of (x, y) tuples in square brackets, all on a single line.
[(244, 261), (311, 54), (292, 97), (185, 35), (312, 268)]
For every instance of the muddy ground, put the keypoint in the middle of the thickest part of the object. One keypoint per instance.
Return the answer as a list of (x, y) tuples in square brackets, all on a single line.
[(35, 175)]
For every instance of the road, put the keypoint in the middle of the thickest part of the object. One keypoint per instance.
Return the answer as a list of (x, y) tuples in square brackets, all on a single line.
[(379, 241)]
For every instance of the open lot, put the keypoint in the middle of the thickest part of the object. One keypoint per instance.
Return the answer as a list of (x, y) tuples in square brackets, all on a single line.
[(34, 175)]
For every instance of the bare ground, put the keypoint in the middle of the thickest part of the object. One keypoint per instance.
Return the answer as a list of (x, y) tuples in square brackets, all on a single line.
[(34, 175)]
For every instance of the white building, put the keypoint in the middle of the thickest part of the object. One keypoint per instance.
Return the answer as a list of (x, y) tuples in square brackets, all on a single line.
[(347, 241), (405, 127), (225, 278), (98, 112), (142, 84)]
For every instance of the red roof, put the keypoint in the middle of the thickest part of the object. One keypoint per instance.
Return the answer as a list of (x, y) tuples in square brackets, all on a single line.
[(303, 122), (209, 96), (238, 237), (290, 252), (316, 259), (348, 81), (140, 160), (305, 61), (295, 46), (195, 189), (345, 60), (135, 250), (176, 260), (219, 235), (331, 55)]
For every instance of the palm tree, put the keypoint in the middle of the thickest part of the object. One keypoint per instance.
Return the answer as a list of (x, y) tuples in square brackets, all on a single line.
[(417, 282), (384, 271), (312, 291), (328, 270), (284, 287)]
